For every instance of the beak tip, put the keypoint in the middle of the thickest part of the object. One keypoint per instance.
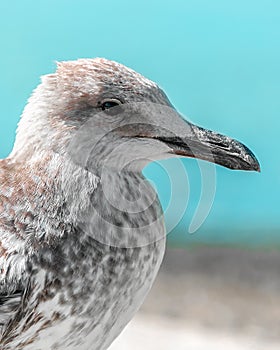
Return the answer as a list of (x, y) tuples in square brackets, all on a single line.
[(254, 165), (258, 168), (249, 157)]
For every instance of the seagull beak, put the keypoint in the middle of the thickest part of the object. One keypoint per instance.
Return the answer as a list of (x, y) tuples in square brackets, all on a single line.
[(182, 138), (213, 147)]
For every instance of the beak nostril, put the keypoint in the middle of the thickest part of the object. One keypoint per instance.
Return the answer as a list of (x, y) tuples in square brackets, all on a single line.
[(220, 144)]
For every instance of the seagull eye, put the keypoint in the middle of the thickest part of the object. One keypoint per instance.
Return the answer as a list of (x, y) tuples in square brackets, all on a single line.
[(110, 104)]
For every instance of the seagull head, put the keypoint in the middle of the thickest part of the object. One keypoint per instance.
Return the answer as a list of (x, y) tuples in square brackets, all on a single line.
[(102, 113)]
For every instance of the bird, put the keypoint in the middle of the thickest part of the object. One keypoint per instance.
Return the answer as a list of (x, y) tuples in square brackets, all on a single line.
[(82, 233)]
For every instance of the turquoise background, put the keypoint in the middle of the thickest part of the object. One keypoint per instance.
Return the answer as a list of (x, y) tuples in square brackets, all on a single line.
[(217, 60)]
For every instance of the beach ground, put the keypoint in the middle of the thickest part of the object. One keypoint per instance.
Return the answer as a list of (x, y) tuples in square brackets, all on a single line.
[(210, 298)]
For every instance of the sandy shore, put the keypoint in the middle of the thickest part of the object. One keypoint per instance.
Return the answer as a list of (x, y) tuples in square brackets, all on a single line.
[(210, 298), (159, 333)]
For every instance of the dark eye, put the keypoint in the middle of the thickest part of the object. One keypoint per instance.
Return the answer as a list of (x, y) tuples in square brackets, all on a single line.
[(107, 104)]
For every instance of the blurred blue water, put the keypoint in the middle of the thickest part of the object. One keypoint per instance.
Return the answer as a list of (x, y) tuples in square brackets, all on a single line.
[(217, 60)]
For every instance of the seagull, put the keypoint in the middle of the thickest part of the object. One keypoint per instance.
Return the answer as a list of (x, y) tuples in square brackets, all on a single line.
[(82, 234)]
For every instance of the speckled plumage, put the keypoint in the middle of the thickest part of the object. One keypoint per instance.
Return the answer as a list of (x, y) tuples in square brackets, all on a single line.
[(73, 290), (81, 234)]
